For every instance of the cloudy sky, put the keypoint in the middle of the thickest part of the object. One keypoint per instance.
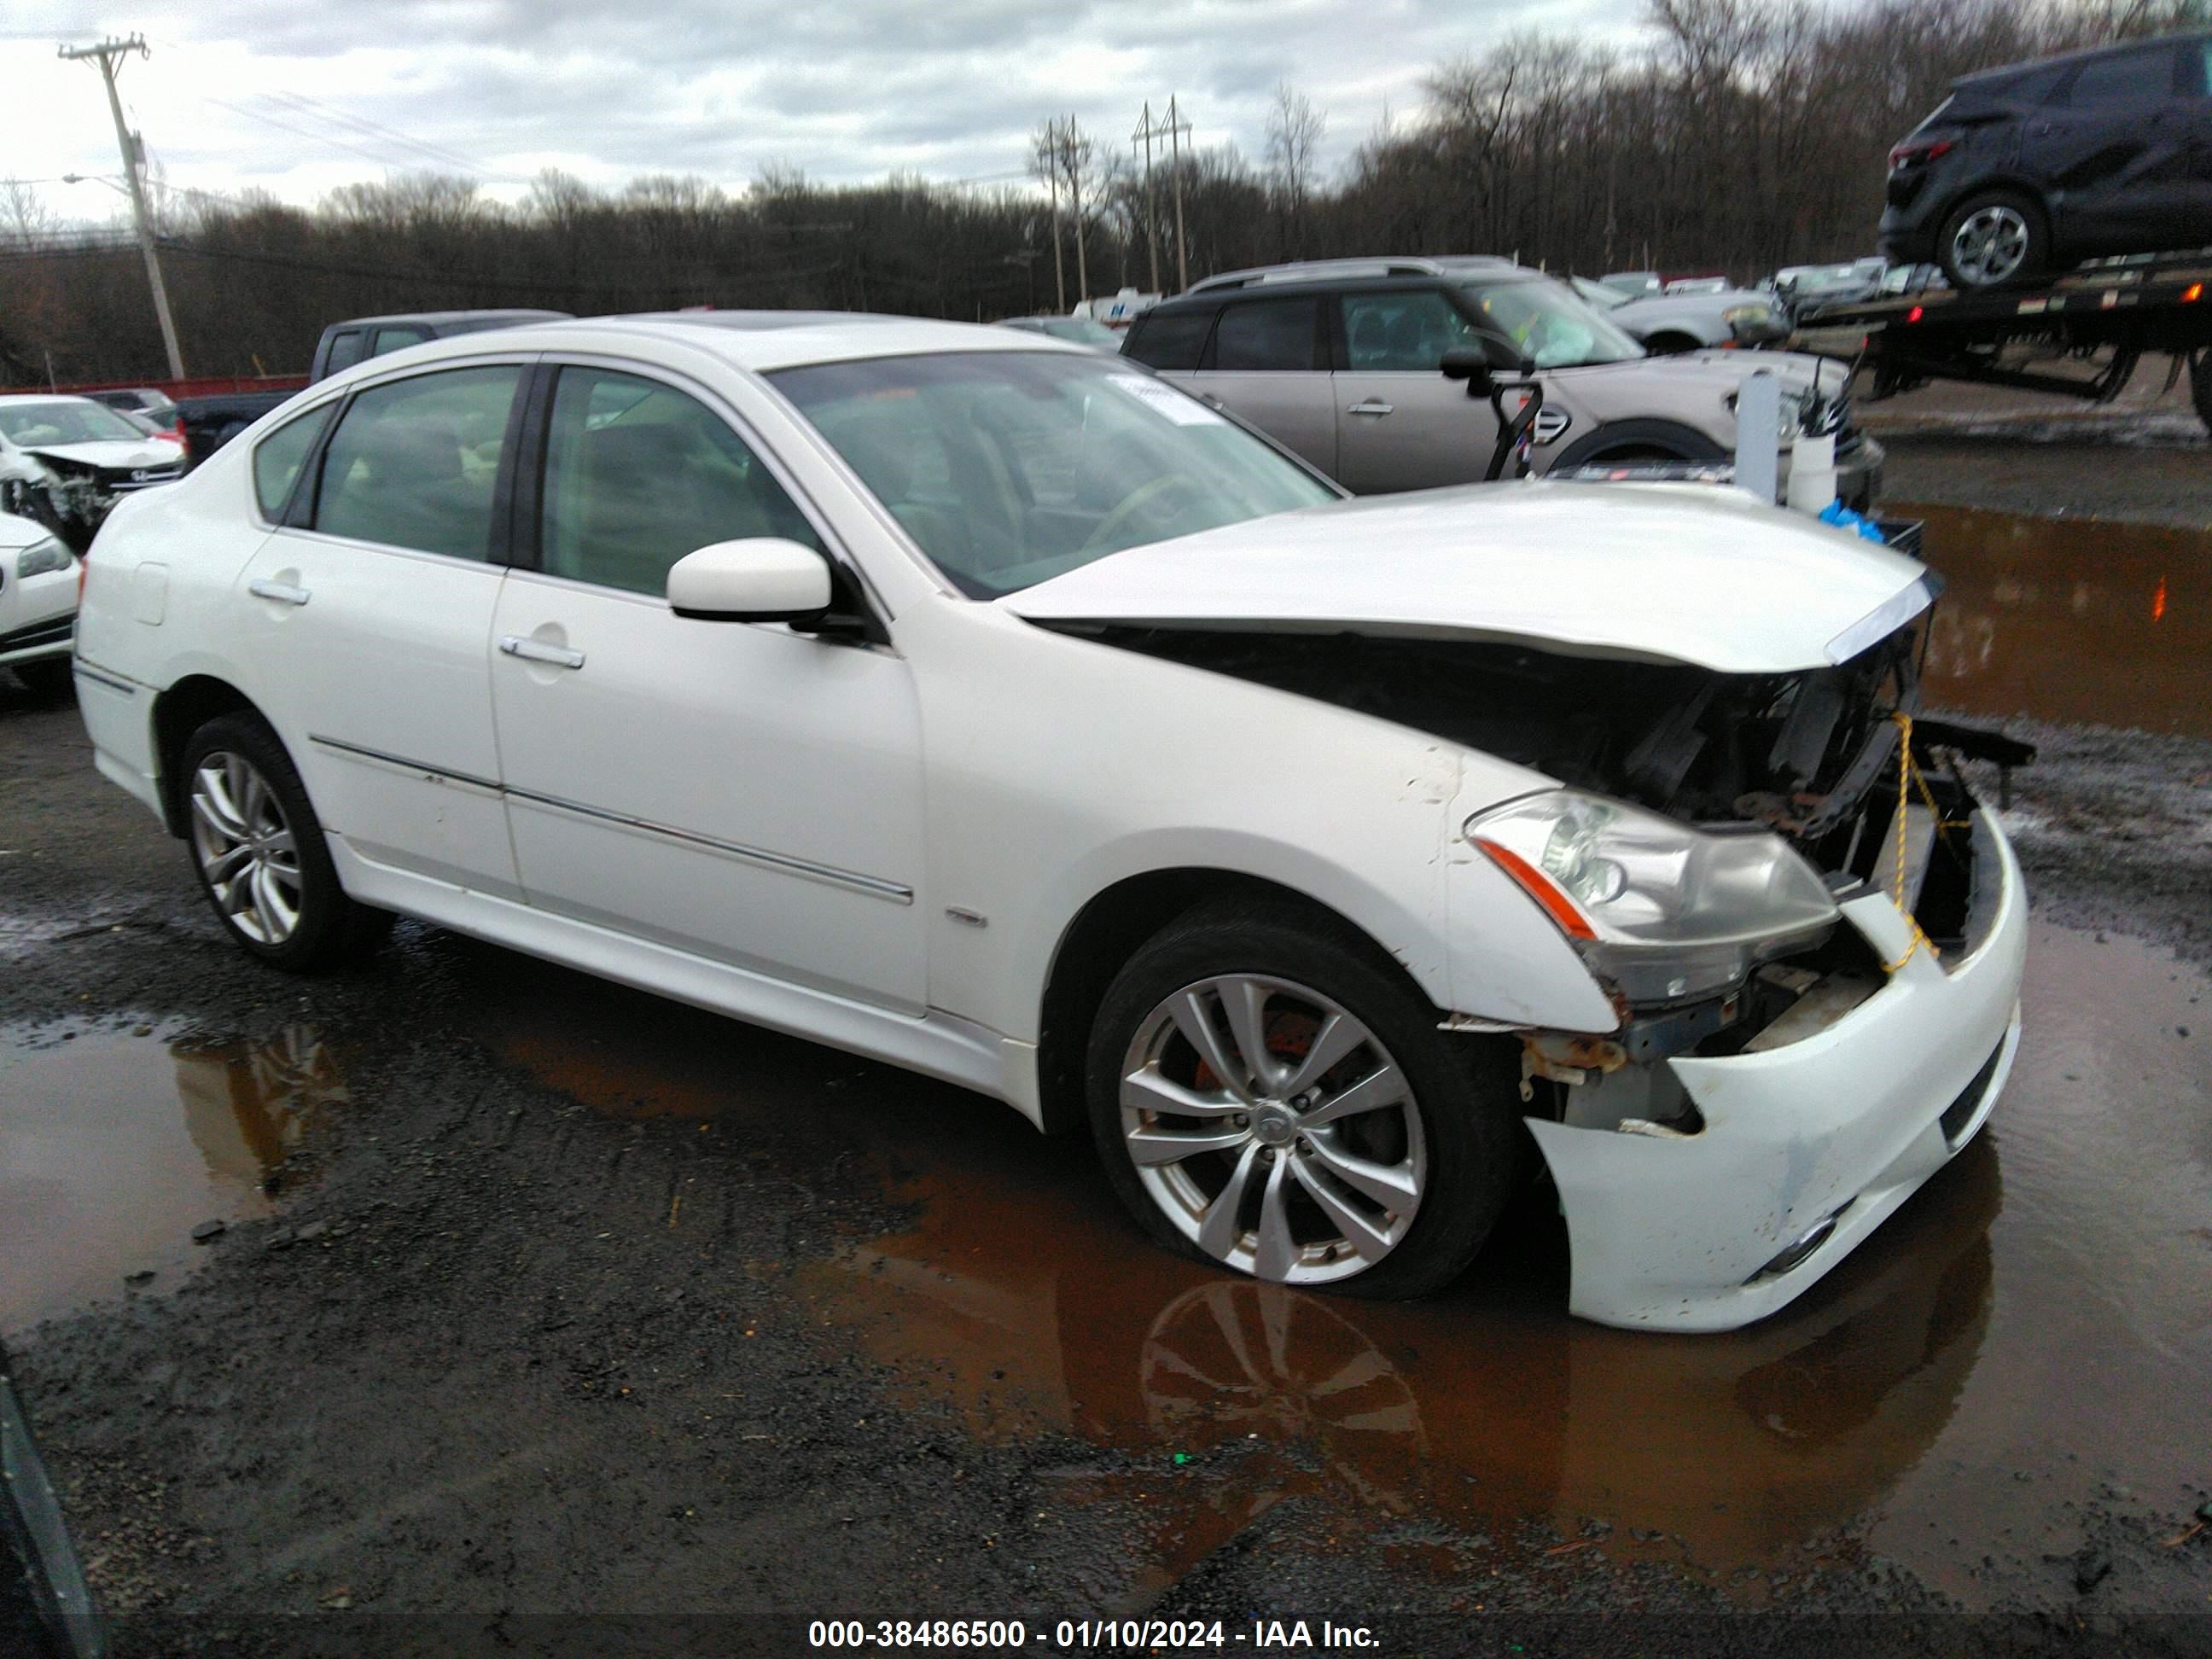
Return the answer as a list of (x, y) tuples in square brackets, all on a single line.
[(296, 98)]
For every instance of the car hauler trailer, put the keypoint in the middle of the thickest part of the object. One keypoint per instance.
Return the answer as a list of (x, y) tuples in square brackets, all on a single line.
[(2123, 309)]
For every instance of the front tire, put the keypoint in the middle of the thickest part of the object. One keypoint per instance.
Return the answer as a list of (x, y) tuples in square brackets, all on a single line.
[(1992, 238), (258, 850), (1269, 1094)]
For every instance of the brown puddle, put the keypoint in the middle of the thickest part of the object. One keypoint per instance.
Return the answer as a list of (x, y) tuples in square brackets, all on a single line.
[(115, 1142), (2045, 1292), (2069, 619)]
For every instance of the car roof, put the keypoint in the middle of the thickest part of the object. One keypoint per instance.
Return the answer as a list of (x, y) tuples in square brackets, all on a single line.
[(2007, 71), (758, 341), (1275, 280), (440, 319)]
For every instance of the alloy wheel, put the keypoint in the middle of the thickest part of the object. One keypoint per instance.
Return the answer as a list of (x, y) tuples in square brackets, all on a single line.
[(1272, 1129), (1990, 244), (245, 847)]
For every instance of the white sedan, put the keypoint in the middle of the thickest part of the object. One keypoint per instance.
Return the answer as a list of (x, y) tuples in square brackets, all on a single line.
[(38, 604), (985, 705)]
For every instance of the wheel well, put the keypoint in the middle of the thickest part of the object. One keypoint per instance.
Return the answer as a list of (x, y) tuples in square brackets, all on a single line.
[(1105, 933), (179, 711), (1667, 341), (1642, 438)]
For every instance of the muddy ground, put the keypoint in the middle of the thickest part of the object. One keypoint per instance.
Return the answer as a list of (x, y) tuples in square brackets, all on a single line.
[(549, 1316)]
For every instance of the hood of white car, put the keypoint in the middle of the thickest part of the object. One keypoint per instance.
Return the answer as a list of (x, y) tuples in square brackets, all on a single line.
[(149, 453), (1662, 572)]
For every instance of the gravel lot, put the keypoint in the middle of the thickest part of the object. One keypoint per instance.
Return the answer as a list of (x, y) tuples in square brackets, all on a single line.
[(540, 1299)]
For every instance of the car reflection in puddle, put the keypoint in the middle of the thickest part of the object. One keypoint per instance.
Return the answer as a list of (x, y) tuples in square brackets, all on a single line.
[(1021, 1300), (116, 1140), (1486, 1408)]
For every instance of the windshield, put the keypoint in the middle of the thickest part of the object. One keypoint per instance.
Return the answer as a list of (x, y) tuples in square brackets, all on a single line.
[(1604, 298), (1011, 467), (65, 421), (1549, 324)]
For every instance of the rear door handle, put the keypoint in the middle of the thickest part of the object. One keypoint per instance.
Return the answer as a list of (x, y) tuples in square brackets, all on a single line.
[(1373, 407), (560, 656), (283, 593)]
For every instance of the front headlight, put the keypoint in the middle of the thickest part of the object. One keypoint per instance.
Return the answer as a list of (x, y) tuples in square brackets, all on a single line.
[(1664, 911), (1736, 315), (41, 557)]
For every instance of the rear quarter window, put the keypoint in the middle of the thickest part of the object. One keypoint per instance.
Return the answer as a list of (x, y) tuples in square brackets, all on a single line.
[(1172, 341), (278, 458)]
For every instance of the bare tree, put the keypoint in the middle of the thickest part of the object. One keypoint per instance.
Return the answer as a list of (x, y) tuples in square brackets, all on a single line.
[(1294, 135), (25, 219)]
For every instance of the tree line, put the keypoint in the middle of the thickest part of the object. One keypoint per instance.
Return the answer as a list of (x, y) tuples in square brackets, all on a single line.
[(1742, 135)]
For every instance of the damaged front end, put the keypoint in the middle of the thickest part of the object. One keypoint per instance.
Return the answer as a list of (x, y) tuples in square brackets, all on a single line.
[(73, 496), (1787, 890)]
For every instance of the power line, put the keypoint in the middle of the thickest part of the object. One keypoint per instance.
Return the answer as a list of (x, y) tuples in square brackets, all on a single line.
[(316, 111)]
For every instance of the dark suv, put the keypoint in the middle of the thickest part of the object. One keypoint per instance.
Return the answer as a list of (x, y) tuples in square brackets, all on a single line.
[(2034, 168)]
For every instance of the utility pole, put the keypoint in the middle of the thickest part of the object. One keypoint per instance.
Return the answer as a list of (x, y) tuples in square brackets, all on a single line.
[(1151, 213), (109, 54), (1051, 179), (1077, 152), (1176, 127)]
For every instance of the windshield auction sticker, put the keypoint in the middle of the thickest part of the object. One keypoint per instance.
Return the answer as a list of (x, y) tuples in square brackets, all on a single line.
[(1179, 407)]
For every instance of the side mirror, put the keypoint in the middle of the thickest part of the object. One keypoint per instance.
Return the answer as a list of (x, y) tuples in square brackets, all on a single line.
[(761, 579), (1476, 364)]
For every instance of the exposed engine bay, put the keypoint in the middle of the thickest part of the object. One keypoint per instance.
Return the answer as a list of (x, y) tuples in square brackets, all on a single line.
[(73, 497), (1813, 756)]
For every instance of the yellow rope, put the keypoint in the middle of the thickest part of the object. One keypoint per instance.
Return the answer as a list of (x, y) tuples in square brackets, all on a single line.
[(1907, 774)]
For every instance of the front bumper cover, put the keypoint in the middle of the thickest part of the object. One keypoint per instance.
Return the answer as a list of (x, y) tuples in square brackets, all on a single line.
[(1842, 1127)]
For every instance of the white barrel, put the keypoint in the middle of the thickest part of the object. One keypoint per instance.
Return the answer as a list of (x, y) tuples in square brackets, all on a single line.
[(1812, 473)]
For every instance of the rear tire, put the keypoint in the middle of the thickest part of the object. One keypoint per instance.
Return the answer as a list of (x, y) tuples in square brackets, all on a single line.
[(1992, 238), (259, 852), (2200, 383), (1378, 1174)]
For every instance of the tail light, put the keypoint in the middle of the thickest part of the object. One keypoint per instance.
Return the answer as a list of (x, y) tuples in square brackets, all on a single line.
[(1910, 154), (84, 564)]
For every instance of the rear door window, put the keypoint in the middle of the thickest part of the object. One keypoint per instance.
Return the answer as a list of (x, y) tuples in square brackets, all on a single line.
[(415, 462), (1268, 334), (346, 347), (392, 339), (1173, 341), (2125, 80)]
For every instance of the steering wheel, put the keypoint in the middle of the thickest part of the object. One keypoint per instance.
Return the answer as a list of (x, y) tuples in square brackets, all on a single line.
[(1144, 496)]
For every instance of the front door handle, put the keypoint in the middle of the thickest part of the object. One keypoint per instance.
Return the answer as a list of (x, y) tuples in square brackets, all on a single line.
[(537, 651), (1374, 407), (283, 593)]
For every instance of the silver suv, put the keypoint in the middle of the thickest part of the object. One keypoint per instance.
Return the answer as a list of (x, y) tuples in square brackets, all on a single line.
[(1339, 360)]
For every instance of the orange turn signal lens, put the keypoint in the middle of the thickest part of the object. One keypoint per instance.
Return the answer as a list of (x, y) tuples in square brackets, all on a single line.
[(1541, 888)]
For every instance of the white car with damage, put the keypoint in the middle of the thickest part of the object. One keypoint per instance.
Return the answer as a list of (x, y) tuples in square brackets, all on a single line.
[(38, 604), (989, 706), (67, 459)]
